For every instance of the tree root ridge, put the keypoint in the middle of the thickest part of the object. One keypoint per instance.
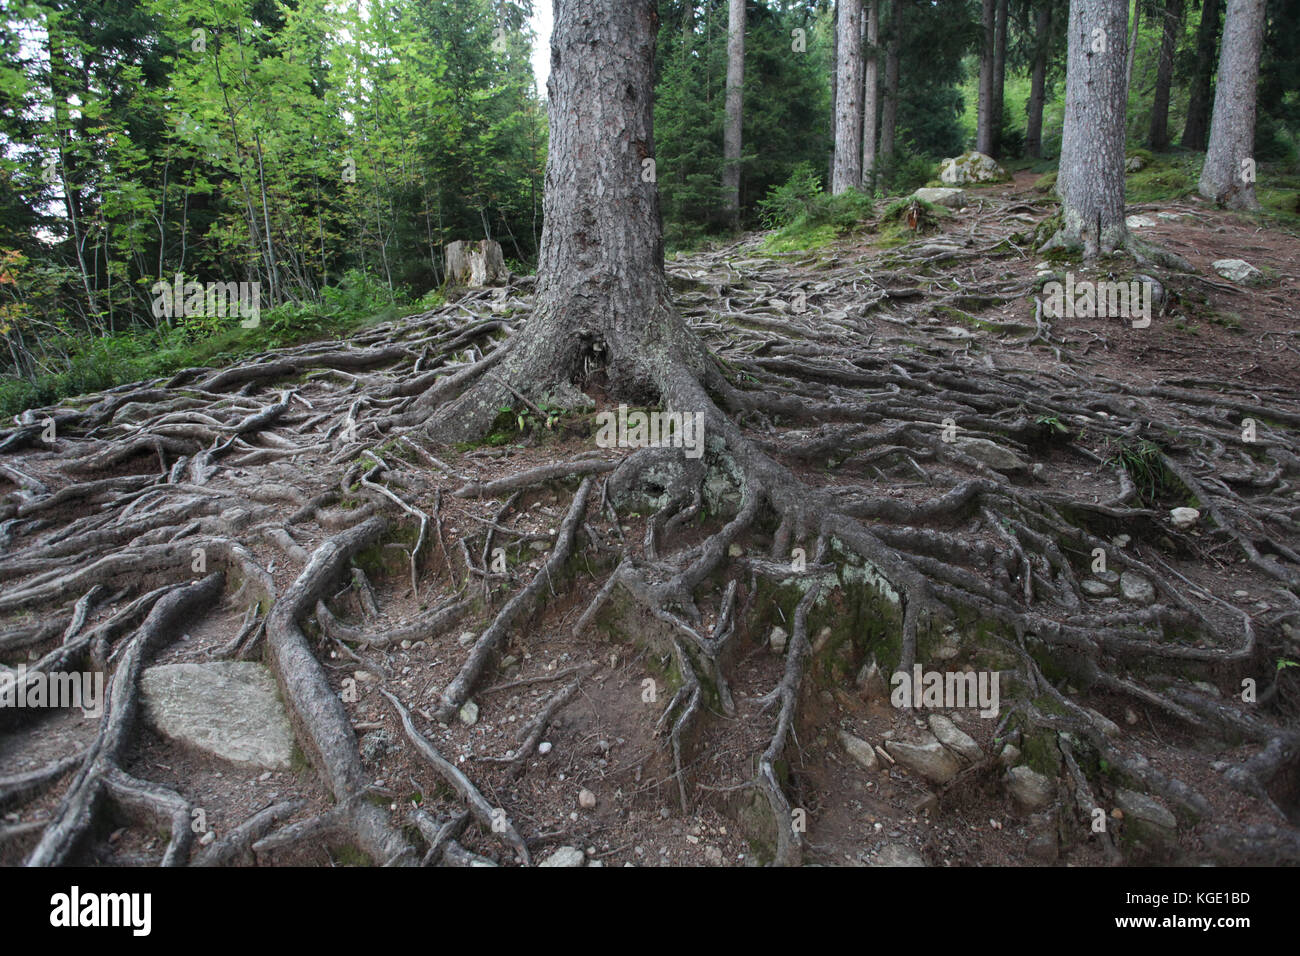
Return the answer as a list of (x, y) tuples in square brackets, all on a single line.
[(819, 439)]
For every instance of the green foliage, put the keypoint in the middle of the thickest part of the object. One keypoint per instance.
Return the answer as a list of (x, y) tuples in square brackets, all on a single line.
[(907, 171), (786, 114), (1166, 176), (91, 364), (318, 149), (805, 216), (1144, 462)]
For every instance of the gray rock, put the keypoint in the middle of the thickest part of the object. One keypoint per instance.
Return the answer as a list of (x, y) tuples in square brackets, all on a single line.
[(896, 854), (941, 196), (778, 639), (1238, 270), (469, 713), (565, 856), (1094, 588), (229, 709), (972, 167), (992, 454), (1145, 808), (859, 750), (1010, 754), (871, 681), (1184, 517), (1135, 164), (930, 759), (1029, 789), (1139, 222), (954, 738), (1136, 588)]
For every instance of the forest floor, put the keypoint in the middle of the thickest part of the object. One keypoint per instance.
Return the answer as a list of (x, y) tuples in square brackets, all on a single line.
[(959, 300)]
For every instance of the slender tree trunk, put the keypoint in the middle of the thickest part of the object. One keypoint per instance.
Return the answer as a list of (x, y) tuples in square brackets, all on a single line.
[(735, 99), (1158, 135), (1091, 180), (889, 106), (1038, 81), (1197, 127), (835, 90), (999, 75), (984, 119), (1228, 175), (871, 95), (1132, 49), (848, 98)]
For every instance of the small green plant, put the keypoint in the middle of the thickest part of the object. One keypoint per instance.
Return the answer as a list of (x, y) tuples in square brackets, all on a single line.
[(1052, 424), (1144, 462), (805, 216)]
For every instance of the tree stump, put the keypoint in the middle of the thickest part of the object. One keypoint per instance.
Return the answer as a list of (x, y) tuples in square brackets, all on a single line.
[(475, 264)]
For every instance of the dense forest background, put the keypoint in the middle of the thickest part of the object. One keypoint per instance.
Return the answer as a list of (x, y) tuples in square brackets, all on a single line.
[(329, 151)]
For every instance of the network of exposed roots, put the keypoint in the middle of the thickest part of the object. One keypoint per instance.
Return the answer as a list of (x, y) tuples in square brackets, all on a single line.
[(852, 420)]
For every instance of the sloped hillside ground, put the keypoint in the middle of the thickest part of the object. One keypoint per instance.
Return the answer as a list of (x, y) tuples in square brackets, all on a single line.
[(291, 515)]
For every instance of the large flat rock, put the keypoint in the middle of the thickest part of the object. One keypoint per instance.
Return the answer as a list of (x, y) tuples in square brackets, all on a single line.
[(228, 709)]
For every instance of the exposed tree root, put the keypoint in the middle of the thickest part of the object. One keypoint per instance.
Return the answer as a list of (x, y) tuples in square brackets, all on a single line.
[(862, 467)]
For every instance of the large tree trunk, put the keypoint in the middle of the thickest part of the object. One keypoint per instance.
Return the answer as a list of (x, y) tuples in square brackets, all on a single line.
[(1197, 126), (999, 76), (603, 312), (848, 98), (735, 98), (1228, 173), (835, 92), (984, 119), (1158, 135), (1091, 179), (871, 95), (1038, 80), (889, 106)]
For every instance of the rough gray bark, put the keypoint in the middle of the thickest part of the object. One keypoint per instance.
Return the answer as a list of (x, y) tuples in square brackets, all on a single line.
[(847, 172), (1197, 126), (889, 105), (984, 120), (1232, 128), (870, 94), (1158, 133), (731, 137), (603, 311), (1038, 80), (1091, 178), (835, 60), (999, 75)]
